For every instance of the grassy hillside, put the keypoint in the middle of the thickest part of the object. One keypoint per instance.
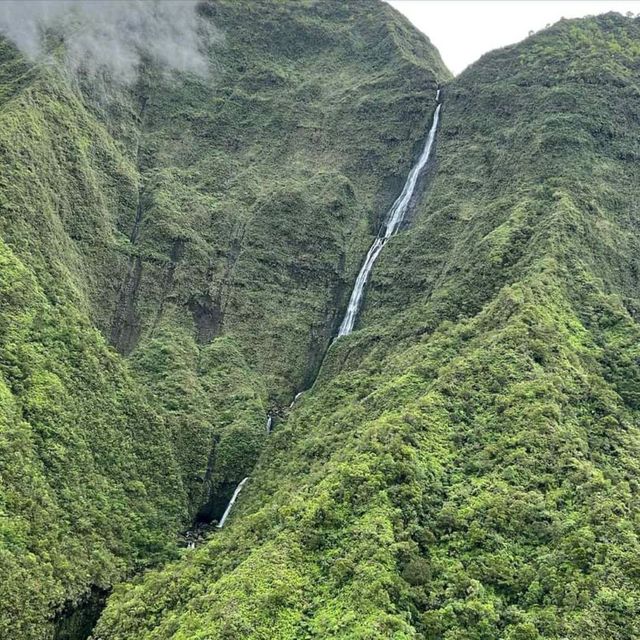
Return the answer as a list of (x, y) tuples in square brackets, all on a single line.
[(466, 466), (174, 255)]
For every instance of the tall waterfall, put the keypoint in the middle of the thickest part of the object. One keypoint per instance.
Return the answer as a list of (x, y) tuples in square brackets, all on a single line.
[(230, 505), (393, 221)]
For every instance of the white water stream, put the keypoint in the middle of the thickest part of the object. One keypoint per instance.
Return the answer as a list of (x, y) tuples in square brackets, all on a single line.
[(297, 396), (230, 505), (393, 221)]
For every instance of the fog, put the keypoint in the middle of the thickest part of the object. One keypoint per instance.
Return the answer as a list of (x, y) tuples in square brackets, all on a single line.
[(110, 37)]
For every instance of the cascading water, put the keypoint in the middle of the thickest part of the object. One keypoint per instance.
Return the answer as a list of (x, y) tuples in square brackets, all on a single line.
[(393, 221), (230, 505), (296, 398)]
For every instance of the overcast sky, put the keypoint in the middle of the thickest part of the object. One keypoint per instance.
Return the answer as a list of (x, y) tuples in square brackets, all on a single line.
[(463, 30)]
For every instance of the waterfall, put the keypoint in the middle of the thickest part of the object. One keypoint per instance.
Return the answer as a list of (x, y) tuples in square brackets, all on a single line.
[(230, 505), (296, 399), (393, 221)]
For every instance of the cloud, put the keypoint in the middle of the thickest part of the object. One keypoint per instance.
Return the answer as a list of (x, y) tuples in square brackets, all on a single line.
[(111, 37)]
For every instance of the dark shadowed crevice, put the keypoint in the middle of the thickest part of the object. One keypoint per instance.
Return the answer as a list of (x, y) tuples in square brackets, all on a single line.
[(125, 328), (76, 621), (207, 317)]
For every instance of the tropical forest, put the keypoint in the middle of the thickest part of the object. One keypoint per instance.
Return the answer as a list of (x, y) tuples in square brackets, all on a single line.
[(304, 337)]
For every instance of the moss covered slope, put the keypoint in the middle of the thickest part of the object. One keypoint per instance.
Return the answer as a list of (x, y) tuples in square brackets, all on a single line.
[(466, 465), (173, 257)]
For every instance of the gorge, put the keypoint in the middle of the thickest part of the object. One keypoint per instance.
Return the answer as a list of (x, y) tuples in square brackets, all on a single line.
[(190, 244)]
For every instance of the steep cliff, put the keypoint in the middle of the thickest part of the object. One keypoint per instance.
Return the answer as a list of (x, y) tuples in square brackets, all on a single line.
[(175, 254), (466, 465)]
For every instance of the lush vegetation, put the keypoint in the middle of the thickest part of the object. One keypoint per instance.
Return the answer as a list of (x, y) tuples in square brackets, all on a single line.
[(466, 465), (173, 259)]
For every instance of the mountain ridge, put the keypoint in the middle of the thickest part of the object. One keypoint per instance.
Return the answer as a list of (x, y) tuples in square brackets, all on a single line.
[(152, 217), (176, 256)]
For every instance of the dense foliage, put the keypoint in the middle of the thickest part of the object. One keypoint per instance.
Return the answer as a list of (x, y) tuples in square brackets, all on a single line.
[(466, 465), (173, 257)]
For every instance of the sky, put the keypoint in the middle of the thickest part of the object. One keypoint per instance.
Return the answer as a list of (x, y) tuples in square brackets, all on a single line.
[(463, 30)]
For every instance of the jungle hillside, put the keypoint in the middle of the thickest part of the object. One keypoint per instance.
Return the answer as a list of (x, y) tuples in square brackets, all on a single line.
[(189, 451)]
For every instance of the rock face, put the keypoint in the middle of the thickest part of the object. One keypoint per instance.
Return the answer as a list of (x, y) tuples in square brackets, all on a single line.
[(175, 254), (466, 463)]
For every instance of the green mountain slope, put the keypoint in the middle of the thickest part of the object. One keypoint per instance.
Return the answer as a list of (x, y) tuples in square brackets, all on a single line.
[(174, 256), (466, 465)]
